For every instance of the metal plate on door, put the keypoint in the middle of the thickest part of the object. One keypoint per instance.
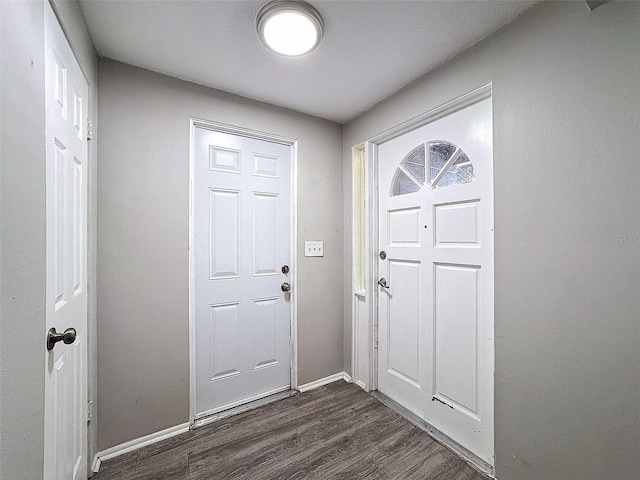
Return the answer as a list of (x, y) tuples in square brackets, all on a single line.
[(383, 254)]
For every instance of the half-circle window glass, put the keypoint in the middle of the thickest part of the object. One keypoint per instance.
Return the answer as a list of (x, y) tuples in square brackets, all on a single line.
[(446, 163)]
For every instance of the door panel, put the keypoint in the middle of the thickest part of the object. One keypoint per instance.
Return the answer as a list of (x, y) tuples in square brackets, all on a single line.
[(241, 229), (456, 335), (224, 340), (404, 227), (265, 234), (224, 249), (457, 224), (403, 332), (436, 316), (224, 159), (265, 335), (66, 93)]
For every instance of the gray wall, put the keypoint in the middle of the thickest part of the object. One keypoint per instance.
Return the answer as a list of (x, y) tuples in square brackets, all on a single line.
[(143, 257), (566, 90), (22, 236), (22, 240)]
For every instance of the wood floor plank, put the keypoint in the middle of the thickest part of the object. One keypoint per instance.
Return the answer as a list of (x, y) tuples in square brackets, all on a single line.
[(263, 453), (334, 432), (302, 418), (345, 449), (174, 467), (297, 408), (364, 468)]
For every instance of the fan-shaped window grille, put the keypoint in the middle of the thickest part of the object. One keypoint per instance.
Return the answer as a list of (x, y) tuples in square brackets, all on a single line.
[(446, 163)]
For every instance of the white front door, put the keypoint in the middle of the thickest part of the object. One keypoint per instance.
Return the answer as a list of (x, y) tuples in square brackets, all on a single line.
[(436, 353), (241, 233), (66, 96)]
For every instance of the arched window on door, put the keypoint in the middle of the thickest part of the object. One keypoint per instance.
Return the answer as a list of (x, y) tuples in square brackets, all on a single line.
[(446, 164)]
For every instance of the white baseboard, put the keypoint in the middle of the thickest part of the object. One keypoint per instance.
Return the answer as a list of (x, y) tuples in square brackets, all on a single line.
[(95, 465), (137, 443), (362, 385), (324, 381)]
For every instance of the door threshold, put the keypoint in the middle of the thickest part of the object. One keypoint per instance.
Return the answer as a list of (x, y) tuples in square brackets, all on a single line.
[(472, 459), (245, 407)]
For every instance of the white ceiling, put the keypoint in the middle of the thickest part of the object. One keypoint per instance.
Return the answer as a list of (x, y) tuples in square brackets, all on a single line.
[(370, 49)]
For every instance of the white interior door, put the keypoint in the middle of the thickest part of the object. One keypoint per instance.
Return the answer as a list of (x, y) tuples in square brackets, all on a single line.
[(66, 292), (436, 354), (241, 237)]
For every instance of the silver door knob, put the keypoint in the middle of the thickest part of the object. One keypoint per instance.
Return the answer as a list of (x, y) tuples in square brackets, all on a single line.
[(285, 287), (383, 283), (53, 337)]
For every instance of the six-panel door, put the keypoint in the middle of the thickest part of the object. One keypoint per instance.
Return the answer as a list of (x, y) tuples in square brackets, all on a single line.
[(241, 237), (66, 95)]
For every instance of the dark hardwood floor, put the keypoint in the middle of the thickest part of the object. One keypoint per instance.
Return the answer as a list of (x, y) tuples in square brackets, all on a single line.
[(334, 432)]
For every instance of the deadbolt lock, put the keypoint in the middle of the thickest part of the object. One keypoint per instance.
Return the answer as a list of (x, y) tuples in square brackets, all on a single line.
[(383, 254)]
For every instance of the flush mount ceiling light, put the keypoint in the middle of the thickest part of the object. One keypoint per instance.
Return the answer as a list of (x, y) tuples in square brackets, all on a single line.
[(289, 27)]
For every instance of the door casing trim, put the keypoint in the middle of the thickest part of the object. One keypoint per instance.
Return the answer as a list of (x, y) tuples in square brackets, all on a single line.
[(293, 235)]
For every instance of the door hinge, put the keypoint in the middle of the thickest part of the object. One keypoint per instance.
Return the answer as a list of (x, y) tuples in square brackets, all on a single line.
[(89, 129), (89, 411), (375, 344)]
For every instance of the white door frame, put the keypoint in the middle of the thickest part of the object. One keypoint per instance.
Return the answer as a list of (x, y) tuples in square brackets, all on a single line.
[(367, 352), (268, 137)]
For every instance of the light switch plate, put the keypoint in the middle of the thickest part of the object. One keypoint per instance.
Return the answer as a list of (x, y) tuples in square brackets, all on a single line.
[(314, 248)]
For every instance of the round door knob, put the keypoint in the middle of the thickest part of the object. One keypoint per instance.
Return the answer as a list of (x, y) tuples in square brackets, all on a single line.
[(53, 337), (286, 287)]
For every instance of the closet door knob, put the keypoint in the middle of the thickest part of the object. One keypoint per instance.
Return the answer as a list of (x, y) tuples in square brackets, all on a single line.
[(67, 337)]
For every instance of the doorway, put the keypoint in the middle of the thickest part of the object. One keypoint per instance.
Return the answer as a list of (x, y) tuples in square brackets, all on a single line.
[(434, 282), (242, 284)]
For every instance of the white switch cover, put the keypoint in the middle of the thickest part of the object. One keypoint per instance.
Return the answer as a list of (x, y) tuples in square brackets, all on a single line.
[(313, 248)]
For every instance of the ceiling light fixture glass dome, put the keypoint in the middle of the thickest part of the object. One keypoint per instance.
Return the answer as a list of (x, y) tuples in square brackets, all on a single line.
[(289, 27)]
